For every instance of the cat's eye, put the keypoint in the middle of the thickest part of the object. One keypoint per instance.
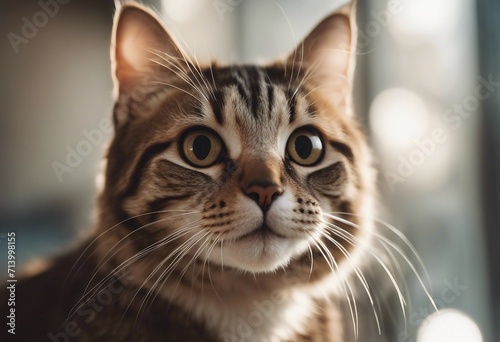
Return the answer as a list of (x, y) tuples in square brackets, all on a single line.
[(305, 147), (201, 147)]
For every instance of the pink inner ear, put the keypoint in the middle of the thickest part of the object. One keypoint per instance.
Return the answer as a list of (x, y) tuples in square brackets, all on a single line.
[(328, 56), (133, 38), (129, 53), (328, 47), (136, 49)]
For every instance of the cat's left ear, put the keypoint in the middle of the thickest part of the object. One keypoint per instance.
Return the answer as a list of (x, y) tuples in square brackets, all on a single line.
[(328, 55), (140, 45)]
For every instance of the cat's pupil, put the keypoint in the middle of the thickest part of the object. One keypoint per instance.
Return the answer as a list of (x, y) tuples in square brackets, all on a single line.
[(201, 146), (303, 146)]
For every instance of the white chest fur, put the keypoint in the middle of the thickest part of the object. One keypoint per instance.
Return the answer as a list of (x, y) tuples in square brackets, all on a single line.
[(275, 318)]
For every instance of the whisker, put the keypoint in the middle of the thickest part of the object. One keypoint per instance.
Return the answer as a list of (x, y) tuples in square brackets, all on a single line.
[(294, 43), (342, 233), (166, 273), (104, 260), (202, 77), (358, 273), (114, 226), (345, 284), (98, 287), (391, 228), (196, 255), (221, 256), (180, 89), (208, 268), (351, 239), (183, 75), (181, 251), (312, 262), (401, 276), (188, 63), (397, 249)]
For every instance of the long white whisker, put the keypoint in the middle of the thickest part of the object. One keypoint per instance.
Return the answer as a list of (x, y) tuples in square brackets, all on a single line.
[(391, 228), (97, 287), (294, 43), (104, 260), (340, 232), (183, 76), (208, 268), (397, 249), (189, 64), (351, 300), (180, 89), (179, 253), (166, 273), (116, 225), (358, 273), (312, 262)]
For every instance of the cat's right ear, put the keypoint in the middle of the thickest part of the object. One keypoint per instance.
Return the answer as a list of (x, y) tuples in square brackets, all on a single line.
[(328, 54), (140, 48)]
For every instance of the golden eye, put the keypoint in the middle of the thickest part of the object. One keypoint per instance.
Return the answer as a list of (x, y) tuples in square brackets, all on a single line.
[(201, 147), (305, 147)]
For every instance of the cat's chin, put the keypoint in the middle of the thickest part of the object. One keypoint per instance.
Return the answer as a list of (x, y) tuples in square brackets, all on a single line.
[(262, 251)]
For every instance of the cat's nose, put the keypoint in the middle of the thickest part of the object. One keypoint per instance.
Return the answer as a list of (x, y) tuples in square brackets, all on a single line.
[(263, 193)]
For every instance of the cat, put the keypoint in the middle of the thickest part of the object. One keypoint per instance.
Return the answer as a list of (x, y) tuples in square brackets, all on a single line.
[(237, 200)]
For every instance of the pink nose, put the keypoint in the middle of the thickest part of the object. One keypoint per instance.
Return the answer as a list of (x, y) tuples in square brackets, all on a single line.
[(263, 194)]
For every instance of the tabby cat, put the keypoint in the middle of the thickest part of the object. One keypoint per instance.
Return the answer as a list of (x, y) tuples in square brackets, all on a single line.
[(236, 200)]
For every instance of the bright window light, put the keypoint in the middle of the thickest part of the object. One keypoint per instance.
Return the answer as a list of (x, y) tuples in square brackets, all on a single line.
[(449, 325), (425, 17), (398, 117), (182, 10)]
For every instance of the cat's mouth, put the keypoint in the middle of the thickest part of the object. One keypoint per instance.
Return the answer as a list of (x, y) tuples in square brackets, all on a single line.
[(262, 249), (264, 231)]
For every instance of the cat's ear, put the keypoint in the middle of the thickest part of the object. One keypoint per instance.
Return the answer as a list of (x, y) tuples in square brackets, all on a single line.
[(328, 55), (140, 45)]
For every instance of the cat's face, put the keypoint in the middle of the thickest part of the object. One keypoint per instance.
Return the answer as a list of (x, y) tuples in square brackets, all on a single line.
[(234, 165)]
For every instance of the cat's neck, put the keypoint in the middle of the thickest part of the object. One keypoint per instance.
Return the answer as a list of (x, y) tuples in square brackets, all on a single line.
[(244, 307)]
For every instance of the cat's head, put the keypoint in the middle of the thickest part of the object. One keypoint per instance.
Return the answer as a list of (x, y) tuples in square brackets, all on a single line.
[(236, 165)]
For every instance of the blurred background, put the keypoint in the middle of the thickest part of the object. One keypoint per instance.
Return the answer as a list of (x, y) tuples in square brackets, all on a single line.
[(428, 94)]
